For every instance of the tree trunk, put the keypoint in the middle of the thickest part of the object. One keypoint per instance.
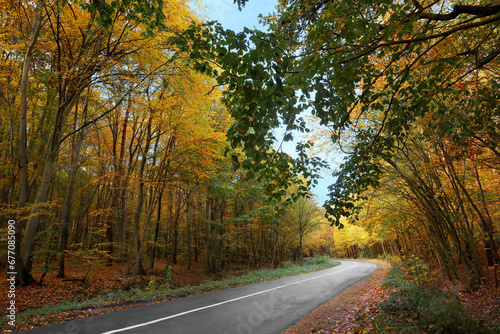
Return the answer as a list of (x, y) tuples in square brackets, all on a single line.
[(23, 274), (157, 229), (197, 229), (175, 229), (487, 225), (66, 210), (139, 269), (23, 164), (220, 237), (275, 248), (188, 225), (207, 234)]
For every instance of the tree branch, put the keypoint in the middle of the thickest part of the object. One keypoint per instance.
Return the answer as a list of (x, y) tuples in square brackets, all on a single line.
[(479, 11), (423, 38)]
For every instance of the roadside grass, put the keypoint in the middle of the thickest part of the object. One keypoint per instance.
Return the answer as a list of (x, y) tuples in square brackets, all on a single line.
[(417, 307), (157, 290)]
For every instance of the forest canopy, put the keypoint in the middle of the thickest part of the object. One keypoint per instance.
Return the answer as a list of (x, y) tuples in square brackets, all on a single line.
[(407, 90)]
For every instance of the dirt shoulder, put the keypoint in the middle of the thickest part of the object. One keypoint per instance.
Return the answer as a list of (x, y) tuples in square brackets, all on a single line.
[(339, 315)]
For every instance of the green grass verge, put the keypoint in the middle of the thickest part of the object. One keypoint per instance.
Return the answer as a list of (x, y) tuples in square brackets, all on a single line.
[(113, 300)]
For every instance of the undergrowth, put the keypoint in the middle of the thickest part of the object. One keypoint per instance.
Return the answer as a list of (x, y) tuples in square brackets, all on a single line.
[(416, 307)]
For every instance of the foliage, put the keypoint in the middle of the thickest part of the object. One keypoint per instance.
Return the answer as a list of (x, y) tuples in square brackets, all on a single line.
[(416, 308), (352, 240), (416, 270), (151, 13), (358, 69), (422, 204), (395, 278), (318, 260), (249, 65), (390, 258)]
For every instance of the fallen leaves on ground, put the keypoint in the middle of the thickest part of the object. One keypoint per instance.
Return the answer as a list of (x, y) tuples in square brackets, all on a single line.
[(482, 303)]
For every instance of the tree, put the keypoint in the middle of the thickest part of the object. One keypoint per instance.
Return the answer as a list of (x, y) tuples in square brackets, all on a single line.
[(74, 72), (72, 46), (303, 217), (350, 240)]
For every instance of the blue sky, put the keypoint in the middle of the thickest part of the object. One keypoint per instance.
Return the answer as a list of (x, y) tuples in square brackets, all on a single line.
[(227, 13)]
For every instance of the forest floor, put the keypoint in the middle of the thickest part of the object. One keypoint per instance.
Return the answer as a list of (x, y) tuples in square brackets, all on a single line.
[(353, 310)]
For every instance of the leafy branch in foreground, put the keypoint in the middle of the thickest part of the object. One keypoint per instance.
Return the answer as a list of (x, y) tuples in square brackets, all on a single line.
[(254, 68), (368, 70)]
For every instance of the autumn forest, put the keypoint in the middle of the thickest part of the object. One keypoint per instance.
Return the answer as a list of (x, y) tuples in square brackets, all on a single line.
[(139, 133)]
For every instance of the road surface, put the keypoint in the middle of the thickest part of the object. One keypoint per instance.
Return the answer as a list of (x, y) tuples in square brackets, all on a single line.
[(267, 307)]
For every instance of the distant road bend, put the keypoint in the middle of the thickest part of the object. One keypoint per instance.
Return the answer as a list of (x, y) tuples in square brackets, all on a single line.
[(267, 307)]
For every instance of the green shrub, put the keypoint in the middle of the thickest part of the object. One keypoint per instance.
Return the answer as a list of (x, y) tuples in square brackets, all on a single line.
[(364, 254), (419, 309), (319, 260), (390, 258), (416, 270), (396, 277), (286, 264)]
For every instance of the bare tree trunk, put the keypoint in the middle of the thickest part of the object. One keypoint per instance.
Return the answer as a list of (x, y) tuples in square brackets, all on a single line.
[(196, 237), (118, 182), (112, 216), (23, 164), (207, 234), (188, 224), (175, 225), (275, 246), (24, 277), (157, 229), (140, 203), (220, 236), (66, 210), (487, 225)]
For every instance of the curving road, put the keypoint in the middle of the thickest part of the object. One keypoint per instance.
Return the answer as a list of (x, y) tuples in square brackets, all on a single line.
[(268, 307)]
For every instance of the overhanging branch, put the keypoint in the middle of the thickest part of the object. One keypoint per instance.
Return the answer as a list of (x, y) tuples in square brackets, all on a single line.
[(479, 11)]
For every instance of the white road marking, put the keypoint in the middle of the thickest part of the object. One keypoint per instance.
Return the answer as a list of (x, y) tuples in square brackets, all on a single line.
[(221, 303)]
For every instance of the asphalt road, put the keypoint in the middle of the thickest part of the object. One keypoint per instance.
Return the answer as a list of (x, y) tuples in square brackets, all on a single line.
[(268, 307)]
